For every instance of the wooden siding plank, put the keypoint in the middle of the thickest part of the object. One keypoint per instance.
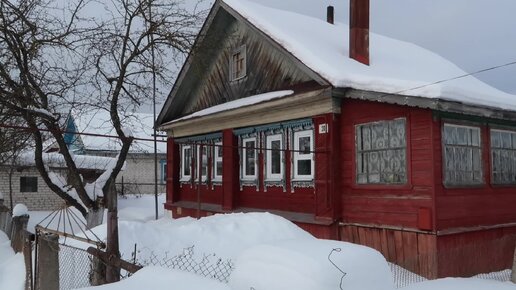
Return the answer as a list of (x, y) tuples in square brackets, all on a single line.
[(398, 245)]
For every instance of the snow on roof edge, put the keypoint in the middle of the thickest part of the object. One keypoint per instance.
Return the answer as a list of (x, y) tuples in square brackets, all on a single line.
[(235, 104)]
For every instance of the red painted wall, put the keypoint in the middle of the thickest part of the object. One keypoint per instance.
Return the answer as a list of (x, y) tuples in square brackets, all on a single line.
[(470, 253), (474, 206), (393, 205)]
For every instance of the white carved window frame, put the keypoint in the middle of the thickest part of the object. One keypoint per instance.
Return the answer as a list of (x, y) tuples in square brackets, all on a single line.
[(300, 156), (269, 175), (217, 159), (244, 175)]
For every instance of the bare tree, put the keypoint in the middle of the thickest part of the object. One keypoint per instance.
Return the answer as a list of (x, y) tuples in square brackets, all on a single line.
[(54, 57)]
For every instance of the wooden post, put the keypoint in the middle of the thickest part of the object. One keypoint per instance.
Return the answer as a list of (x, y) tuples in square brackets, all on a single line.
[(27, 255), (513, 276), (104, 257), (48, 262), (199, 175), (112, 272), (19, 226), (5, 218), (230, 171)]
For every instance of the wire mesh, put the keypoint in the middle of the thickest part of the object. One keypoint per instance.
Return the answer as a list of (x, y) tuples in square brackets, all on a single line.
[(76, 268), (403, 277), (209, 266)]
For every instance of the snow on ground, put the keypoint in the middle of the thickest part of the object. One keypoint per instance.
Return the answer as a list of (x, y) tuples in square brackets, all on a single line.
[(268, 252), (157, 278), (461, 284), (12, 267), (225, 235), (311, 264), (139, 207)]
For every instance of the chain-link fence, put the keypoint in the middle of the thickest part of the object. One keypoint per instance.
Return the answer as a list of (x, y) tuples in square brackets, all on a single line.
[(209, 266), (76, 268), (403, 277)]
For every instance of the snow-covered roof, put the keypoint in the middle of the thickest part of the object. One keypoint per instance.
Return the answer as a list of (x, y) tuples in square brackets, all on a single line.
[(239, 103), (56, 160), (140, 125), (396, 66)]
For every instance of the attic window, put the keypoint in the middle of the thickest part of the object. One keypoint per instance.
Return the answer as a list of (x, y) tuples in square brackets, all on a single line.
[(238, 64)]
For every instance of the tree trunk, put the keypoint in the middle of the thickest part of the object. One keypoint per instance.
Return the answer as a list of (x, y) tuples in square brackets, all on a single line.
[(113, 249), (94, 217)]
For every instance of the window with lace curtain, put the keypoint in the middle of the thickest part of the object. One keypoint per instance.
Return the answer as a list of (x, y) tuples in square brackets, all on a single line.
[(503, 156), (381, 152), (462, 150)]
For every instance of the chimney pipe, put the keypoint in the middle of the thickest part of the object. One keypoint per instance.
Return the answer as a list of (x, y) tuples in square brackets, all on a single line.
[(330, 14), (359, 30)]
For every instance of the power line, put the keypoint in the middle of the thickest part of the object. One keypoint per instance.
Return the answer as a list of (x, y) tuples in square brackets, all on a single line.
[(455, 78), (77, 133)]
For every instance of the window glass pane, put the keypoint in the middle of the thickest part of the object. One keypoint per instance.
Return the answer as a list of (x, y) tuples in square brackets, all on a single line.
[(275, 157), (219, 168), (380, 136), (397, 133), (495, 139), (462, 155), (28, 184), (304, 145), (450, 135), (249, 158), (366, 133), (204, 170), (503, 154), (358, 138), (506, 139), (462, 136), (304, 167), (187, 161), (380, 152)]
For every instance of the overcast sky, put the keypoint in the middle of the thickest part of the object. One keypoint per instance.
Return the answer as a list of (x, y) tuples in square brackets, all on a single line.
[(474, 34)]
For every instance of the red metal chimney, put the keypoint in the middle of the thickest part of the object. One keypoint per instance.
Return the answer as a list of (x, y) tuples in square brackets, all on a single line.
[(359, 30)]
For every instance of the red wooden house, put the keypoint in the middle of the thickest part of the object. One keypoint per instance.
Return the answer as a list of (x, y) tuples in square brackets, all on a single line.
[(275, 111)]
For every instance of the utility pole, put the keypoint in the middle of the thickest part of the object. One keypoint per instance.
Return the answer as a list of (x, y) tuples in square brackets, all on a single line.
[(151, 39)]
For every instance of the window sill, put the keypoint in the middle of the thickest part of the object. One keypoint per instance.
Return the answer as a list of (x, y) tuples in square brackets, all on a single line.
[(465, 186), (381, 186), (303, 179)]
